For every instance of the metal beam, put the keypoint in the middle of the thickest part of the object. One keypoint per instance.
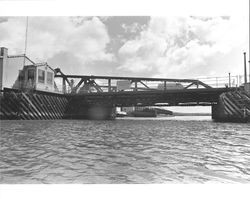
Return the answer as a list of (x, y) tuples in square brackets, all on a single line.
[(58, 70), (144, 84), (202, 84), (78, 85), (193, 83), (127, 78), (96, 86), (135, 89), (109, 85)]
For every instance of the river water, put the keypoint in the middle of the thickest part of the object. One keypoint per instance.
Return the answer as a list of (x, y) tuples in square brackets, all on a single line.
[(127, 150)]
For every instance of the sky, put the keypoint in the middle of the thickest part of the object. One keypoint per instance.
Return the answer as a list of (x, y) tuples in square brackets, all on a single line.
[(146, 46)]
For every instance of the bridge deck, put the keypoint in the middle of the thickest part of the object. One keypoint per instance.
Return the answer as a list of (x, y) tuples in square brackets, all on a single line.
[(148, 98)]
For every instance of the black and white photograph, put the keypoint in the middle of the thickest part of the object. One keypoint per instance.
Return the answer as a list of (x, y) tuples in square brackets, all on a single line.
[(125, 99)]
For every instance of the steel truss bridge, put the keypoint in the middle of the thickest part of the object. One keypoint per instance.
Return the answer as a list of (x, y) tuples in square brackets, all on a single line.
[(102, 90)]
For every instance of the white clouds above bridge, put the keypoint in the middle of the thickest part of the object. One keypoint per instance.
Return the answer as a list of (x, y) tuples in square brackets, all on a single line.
[(132, 46), (186, 46)]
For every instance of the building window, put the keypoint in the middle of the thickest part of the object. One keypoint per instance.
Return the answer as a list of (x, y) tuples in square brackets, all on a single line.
[(21, 76), (31, 74), (49, 78), (41, 76)]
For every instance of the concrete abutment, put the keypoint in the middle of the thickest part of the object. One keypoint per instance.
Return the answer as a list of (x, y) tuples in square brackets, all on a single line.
[(233, 106), (78, 108)]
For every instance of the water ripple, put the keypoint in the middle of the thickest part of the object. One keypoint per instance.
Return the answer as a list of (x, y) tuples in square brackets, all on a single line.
[(124, 151)]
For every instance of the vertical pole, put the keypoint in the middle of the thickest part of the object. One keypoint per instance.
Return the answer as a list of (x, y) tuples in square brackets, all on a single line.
[(109, 85), (249, 69), (3, 65), (135, 85), (26, 35), (25, 42), (197, 85), (165, 85), (229, 79), (86, 86), (64, 85), (245, 68), (216, 81)]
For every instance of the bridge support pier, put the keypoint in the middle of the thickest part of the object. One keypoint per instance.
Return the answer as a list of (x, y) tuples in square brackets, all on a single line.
[(101, 112), (233, 106), (92, 112), (218, 112)]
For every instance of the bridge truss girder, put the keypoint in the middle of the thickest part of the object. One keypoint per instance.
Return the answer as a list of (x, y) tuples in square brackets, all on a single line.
[(96, 84)]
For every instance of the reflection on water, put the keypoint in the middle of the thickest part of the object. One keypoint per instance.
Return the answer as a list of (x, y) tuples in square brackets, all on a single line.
[(127, 150)]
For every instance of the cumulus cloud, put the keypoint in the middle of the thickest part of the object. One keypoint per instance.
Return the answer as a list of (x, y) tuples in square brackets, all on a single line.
[(186, 47), (49, 37), (173, 47), (133, 28)]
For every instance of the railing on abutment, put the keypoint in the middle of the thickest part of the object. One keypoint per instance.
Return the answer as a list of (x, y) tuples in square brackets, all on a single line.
[(223, 81)]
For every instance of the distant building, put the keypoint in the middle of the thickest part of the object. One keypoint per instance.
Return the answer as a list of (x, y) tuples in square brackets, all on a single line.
[(38, 77), (128, 109), (134, 108), (170, 86), (19, 72)]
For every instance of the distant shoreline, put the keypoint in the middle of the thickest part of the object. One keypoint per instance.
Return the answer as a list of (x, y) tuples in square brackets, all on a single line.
[(191, 114)]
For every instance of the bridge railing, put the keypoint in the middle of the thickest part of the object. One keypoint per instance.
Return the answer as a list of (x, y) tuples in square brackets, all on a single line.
[(223, 81)]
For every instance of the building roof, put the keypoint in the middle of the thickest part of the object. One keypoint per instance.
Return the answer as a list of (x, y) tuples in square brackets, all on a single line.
[(32, 62)]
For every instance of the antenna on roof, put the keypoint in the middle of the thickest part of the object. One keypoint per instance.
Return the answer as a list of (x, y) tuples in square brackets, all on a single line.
[(26, 36)]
